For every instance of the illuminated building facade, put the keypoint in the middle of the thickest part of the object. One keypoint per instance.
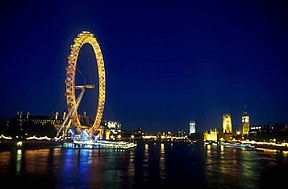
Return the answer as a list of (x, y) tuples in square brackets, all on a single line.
[(110, 130), (227, 123), (245, 123), (113, 126), (192, 128), (211, 135)]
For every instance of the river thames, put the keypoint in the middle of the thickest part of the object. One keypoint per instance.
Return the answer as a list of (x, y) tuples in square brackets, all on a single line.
[(150, 164)]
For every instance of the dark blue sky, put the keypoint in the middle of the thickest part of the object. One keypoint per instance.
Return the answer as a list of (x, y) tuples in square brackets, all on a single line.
[(166, 62)]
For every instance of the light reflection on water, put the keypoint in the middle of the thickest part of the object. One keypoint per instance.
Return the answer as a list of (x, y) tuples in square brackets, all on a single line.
[(18, 161), (4, 162), (35, 160), (228, 167), (153, 164), (162, 163)]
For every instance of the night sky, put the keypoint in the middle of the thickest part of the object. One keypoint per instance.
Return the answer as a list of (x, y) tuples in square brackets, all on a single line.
[(166, 62)]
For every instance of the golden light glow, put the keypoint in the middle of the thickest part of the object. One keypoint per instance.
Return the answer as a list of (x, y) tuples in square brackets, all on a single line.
[(83, 38), (19, 143), (227, 123), (211, 135), (245, 125)]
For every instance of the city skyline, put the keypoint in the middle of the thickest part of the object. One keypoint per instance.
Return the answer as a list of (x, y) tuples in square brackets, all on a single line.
[(166, 64)]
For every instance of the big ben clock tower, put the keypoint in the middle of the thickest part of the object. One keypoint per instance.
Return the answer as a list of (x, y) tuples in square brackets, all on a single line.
[(245, 122)]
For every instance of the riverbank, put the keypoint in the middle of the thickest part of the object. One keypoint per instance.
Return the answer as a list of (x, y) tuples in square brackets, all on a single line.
[(29, 144), (38, 144), (250, 145)]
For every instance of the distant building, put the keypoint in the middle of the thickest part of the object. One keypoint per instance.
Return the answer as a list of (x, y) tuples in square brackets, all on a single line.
[(108, 129), (227, 123), (192, 128), (245, 122), (181, 133), (40, 119), (255, 129), (211, 135), (84, 119), (113, 126)]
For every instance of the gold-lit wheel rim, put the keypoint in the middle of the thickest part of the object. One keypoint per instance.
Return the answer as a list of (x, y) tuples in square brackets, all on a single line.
[(81, 39)]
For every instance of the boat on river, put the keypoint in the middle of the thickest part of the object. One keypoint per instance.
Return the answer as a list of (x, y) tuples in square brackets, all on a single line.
[(240, 145), (99, 144)]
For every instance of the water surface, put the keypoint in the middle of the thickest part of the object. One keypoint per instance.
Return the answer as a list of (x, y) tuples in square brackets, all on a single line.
[(152, 164)]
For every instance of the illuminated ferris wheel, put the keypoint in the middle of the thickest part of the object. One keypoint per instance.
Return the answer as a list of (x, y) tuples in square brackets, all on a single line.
[(72, 101)]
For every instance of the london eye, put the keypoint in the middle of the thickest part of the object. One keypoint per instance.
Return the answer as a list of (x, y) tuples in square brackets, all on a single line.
[(75, 90)]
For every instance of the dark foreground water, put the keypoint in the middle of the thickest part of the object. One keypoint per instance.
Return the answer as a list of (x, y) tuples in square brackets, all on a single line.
[(158, 165)]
